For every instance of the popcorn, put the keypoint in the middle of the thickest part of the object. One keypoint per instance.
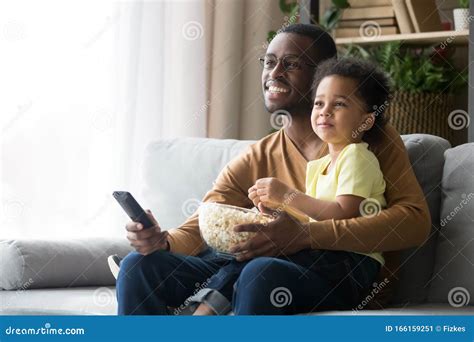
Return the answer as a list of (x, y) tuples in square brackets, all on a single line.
[(217, 221)]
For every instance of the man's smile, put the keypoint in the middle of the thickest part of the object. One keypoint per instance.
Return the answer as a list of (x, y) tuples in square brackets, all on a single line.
[(275, 89)]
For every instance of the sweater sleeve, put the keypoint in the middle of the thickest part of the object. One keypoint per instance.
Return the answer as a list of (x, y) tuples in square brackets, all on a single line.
[(230, 187), (406, 221)]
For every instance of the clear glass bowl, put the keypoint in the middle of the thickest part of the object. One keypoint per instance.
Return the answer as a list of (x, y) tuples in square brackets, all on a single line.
[(217, 222)]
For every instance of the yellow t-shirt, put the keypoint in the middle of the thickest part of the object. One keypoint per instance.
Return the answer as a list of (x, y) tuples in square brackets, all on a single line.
[(356, 172)]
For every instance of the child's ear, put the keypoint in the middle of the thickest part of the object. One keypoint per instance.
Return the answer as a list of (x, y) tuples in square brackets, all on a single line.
[(368, 121)]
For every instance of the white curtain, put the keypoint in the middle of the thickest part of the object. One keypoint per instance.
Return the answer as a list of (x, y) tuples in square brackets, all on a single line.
[(85, 85)]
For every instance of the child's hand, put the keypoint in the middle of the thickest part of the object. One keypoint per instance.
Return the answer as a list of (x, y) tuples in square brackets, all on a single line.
[(253, 196), (269, 191)]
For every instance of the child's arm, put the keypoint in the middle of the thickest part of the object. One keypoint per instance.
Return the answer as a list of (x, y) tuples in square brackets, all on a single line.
[(273, 193), (344, 207)]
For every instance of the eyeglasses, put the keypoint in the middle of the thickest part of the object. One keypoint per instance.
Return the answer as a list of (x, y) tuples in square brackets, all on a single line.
[(288, 62)]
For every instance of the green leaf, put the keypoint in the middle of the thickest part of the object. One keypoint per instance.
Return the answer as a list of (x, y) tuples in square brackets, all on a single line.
[(331, 17), (293, 15), (464, 3), (412, 69), (288, 7), (341, 3), (270, 36)]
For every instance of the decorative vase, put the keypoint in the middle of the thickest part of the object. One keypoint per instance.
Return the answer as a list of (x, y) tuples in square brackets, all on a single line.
[(461, 19)]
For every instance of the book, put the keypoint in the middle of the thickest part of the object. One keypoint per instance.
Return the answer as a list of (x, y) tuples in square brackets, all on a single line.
[(366, 31), (368, 3), (403, 18), (358, 23), (424, 15), (366, 13)]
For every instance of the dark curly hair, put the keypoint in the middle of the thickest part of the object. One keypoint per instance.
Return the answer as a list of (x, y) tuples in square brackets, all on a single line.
[(373, 86)]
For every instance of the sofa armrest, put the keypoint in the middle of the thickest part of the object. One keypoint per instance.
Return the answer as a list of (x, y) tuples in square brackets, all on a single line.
[(28, 263)]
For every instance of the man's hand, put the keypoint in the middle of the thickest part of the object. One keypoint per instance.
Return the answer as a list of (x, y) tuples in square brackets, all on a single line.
[(269, 191), (146, 241), (283, 236)]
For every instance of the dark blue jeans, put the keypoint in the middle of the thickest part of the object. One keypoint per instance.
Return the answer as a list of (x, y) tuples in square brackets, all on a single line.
[(310, 280)]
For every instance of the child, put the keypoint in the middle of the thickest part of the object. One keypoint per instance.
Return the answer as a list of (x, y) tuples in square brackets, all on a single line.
[(349, 100)]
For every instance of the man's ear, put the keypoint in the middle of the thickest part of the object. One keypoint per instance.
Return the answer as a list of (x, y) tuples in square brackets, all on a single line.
[(368, 121)]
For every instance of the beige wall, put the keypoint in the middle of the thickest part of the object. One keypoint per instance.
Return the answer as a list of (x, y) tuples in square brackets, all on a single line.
[(239, 32)]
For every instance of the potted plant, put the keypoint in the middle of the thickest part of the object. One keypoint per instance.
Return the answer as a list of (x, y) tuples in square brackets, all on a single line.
[(424, 81), (461, 16)]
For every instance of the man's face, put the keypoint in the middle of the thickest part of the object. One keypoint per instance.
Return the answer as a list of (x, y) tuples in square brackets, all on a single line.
[(286, 76)]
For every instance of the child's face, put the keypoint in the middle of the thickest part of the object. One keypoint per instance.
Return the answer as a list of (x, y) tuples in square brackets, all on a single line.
[(339, 116)]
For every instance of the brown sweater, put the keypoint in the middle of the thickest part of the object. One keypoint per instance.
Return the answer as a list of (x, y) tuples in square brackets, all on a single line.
[(405, 223)]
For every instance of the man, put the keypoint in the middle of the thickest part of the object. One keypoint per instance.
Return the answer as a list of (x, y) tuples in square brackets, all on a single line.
[(167, 265)]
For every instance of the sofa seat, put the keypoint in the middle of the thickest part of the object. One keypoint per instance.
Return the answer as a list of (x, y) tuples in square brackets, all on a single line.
[(102, 301), (60, 301)]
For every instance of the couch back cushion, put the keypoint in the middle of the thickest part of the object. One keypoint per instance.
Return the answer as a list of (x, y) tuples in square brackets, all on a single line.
[(453, 277), (179, 172), (426, 153)]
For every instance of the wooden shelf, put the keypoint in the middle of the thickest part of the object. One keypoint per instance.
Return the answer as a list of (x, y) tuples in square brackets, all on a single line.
[(424, 38)]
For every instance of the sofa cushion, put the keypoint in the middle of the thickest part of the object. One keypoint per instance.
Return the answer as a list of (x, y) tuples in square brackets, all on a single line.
[(426, 153), (102, 301), (177, 173), (28, 264), (453, 278)]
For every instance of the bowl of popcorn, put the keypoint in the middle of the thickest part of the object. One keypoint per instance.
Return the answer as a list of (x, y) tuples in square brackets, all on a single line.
[(217, 222)]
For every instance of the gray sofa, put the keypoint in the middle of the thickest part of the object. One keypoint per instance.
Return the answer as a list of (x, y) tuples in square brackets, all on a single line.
[(72, 277)]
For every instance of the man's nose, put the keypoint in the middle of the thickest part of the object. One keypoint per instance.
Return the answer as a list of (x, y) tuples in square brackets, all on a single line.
[(278, 70)]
